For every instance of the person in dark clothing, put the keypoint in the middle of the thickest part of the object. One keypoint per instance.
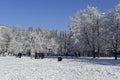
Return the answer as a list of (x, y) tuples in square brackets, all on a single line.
[(59, 58), (19, 55), (42, 55), (36, 55)]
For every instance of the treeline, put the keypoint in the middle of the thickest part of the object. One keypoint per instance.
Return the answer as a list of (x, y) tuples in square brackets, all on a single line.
[(93, 33), (14, 40)]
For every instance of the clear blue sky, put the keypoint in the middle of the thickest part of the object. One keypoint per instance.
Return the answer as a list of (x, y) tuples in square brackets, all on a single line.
[(48, 14)]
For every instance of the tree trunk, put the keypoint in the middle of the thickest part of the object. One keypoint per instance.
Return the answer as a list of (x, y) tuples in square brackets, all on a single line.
[(115, 55), (98, 52), (94, 54)]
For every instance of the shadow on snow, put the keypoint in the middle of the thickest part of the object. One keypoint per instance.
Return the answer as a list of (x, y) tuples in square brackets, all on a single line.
[(99, 61)]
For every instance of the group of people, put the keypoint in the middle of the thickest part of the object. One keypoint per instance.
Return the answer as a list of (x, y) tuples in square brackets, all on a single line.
[(37, 55)]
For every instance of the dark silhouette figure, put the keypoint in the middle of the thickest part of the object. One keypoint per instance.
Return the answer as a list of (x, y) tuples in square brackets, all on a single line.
[(39, 55), (29, 53), (77, 54), (42, 55), (19, 55), (59, 58), (36, 55)]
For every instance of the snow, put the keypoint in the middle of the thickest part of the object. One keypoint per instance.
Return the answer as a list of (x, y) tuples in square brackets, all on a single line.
[(12, 68)]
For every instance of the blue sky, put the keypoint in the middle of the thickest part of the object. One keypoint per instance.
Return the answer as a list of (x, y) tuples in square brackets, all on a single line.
[(48, 14)]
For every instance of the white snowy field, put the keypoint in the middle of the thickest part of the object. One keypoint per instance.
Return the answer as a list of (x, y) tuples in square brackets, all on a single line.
[(12, 68)]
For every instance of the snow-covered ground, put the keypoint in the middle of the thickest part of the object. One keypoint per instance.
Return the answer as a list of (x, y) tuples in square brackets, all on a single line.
[(12, 68)]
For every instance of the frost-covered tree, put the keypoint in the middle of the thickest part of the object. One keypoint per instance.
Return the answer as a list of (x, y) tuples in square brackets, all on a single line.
[(95, 32), (13, 45), (53, 42), (62, 39), (14, 40), (85, 30), (112, 31), (6, 37)]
